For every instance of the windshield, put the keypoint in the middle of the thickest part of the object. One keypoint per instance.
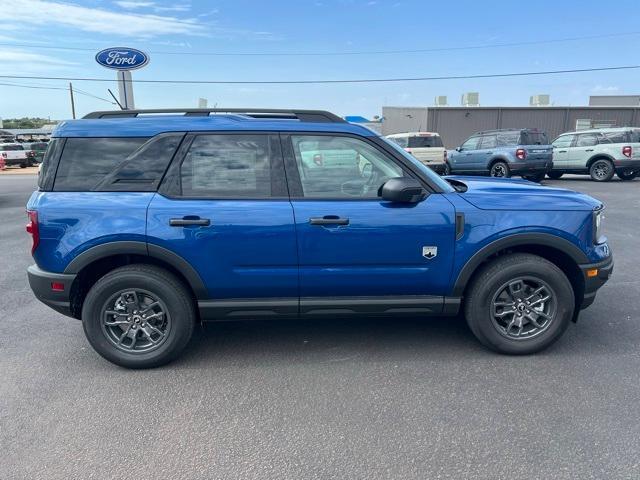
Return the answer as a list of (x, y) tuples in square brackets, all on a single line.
[(434, 177)]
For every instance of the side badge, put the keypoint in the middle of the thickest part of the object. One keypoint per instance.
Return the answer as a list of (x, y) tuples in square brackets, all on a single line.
[(429, 252)]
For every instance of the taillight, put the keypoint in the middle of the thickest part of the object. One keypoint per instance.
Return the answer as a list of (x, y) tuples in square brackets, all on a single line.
[(317, 159), (4, 154), (627, 151), (521, 153), (31, 153), (33, 230)]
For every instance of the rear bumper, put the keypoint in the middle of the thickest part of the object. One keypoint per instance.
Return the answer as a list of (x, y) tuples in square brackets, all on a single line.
[(529, 168), (592, 284), (41, 281), (630, 163), (16, 161)]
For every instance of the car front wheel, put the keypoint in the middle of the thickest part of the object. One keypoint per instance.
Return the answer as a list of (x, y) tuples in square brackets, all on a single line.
[(138, 316), (519, 304), (554, 175), (534, 178)]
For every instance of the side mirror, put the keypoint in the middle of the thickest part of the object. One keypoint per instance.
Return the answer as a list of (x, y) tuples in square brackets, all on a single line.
[(458, 149), (402, 190)]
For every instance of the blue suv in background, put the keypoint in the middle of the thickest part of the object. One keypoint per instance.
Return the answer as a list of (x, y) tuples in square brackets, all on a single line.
[(144, 225), (503, 153)]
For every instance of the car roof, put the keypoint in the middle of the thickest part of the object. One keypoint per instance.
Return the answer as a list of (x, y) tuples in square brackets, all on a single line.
[(115, 124), (501, 130), (601, 130), (412, 134)]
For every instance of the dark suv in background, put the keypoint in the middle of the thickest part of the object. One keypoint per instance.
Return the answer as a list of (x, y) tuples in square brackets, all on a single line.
[(503, 153)]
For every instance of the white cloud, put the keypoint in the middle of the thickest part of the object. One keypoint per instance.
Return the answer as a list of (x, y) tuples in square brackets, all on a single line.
[(39, 12), (603, 89), (22, 57), (132, 5), (140, 4)]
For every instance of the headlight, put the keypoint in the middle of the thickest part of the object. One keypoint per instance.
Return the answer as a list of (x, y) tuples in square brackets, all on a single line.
[(598, 217)]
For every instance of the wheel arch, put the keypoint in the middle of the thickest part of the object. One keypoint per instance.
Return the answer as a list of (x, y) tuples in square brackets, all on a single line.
[(95, 262), (498, 158), (599, 156), (559, 251)]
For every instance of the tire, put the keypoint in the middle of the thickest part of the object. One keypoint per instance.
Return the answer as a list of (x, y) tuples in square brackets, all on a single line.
[(538, 177), (500, 170), (23, 165), (152, 285), (627, 174), (601, 170), (447, 169), (491, 330), (554, 175)]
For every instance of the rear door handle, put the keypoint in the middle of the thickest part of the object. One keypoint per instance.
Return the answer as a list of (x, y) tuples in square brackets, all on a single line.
[(488, 153), (186, 221), (329, 220)]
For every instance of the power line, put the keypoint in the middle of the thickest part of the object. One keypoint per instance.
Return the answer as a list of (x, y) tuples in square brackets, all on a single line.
[(342, 53), (38, 87), (359, 80)]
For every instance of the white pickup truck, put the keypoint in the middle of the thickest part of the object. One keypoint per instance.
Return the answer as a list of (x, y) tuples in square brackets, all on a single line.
[(15, 154)]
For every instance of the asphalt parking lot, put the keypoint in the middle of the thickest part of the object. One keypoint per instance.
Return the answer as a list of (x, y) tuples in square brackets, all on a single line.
[(396, 399)]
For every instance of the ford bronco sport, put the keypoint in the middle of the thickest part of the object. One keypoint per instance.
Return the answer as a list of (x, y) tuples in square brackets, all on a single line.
[(144, 225)]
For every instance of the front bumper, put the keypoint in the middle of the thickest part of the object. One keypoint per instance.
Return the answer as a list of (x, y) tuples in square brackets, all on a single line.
[(41, 282), (593, 283)]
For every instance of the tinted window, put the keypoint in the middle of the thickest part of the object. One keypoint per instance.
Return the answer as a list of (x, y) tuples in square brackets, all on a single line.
[(634, 136), (587, 140), (489, 141), (86, 161), (506, 139), (616, 137), (470, 144), (341, 167), (425, 141), (38, 147), (227, 166), (49, 163), (144, 168), (9, 148), (402, 141), (534, 138), (563, 142)]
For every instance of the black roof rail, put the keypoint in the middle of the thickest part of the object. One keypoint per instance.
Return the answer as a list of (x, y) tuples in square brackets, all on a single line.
[(294, 114)]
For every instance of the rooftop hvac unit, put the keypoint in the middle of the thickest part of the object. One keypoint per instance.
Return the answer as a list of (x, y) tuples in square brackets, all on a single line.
[(583, 123), (471, 99), (441, 101), (539, 100)]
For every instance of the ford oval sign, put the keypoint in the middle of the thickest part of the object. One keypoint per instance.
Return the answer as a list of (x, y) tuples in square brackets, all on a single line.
[(122, 58)]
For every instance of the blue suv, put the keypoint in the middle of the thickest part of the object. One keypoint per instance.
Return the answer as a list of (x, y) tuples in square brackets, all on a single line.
[(148, 222), (503, 153)]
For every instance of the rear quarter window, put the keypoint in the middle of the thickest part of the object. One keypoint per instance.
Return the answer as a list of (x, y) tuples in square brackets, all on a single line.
[(86, 161), (618, 137)]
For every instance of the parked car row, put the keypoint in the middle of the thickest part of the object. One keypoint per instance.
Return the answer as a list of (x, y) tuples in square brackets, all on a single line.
[(527, 152), (15, 154)]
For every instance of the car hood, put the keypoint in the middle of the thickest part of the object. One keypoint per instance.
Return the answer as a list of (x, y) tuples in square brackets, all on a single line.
[(510, 194)]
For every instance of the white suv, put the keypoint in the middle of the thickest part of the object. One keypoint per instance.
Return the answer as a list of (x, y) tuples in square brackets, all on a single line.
[(15, 154), (425, 146)]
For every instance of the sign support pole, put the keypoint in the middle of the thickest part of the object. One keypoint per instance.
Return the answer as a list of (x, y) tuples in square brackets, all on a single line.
[(73, 103), (125, 89)]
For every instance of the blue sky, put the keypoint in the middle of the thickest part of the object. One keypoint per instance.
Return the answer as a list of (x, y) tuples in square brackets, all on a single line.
[(275, 26)]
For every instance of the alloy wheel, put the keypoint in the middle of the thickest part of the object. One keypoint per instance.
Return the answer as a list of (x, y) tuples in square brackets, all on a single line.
[(523, 308), (135, 321)]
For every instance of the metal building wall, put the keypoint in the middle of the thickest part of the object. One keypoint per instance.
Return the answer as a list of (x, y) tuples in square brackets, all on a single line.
[(455, 124)]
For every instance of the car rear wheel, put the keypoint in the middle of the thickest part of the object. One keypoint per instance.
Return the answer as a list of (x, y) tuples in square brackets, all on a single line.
[(601, 170), (447, 169), (627, 174), (500, 169), (138, 316), (554, 175), (519, 304)]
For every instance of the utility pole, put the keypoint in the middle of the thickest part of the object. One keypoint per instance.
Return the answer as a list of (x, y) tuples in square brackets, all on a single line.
[(73, 103)]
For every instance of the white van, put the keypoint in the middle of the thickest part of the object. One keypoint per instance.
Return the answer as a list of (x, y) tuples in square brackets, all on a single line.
[(425, 146)]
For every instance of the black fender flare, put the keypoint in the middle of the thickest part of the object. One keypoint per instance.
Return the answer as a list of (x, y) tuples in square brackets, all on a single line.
[(598, 156), (109, 249), (515, 240)]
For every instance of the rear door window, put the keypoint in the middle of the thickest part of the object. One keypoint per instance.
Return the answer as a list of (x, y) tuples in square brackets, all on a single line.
[(425, 141), (587, 140), (229, 166), (86, 161), (489, 141)]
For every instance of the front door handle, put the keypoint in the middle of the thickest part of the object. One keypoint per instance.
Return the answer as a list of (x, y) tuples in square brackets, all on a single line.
[(329, 220), (562, 151), (186, 221), (589, 150), (488, 153)]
